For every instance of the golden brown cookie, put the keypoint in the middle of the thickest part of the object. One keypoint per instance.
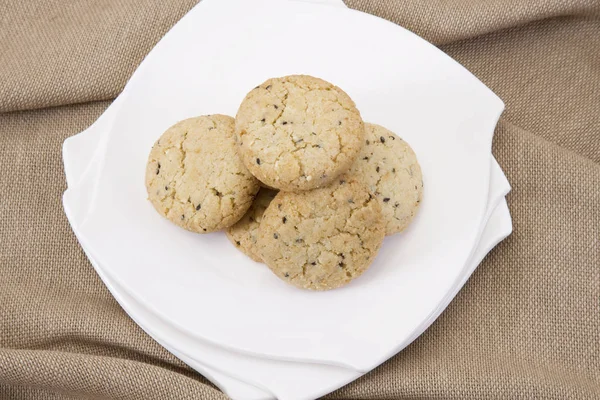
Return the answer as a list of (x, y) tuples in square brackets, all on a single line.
[(244, 233), (195, 177), (389, 168), (323, 238), (298, 132)]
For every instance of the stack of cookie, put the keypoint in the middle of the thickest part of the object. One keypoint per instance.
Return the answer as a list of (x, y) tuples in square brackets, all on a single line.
[(297, 179)]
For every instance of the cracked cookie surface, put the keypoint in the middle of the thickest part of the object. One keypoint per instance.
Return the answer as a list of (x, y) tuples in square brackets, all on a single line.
[(244, 233), (298, 132), (389, 168), (195, 178), (324, 238)]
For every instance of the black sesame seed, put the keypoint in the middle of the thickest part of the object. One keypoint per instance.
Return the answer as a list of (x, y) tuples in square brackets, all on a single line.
[(204, 229), (415, 187), (312, 133), (377, 169), (182, 216), (275, 105), (393, 169), (286, 275), (299, 240), (385, 200), (339, 122), (258, 161), (393, 138), (299, 141), (382, 139), (198, 207), (276, 236), (313, 263), (238, 242), (397, 205), (284, 220), (157, 168), (166, 188), (368, 142), (284, 123), (262, 120), (341, 265)]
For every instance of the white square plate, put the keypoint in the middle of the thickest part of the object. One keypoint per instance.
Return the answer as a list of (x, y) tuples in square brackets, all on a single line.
[(205, 65), (77, 157)]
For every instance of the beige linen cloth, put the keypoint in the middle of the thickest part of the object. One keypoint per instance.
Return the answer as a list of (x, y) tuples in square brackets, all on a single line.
[(526, 325)]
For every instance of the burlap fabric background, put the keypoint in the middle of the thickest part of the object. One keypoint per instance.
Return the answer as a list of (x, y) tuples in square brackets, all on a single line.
[(526, 325)]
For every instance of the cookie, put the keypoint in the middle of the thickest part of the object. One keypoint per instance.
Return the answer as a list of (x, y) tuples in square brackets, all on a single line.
[(195, 178), (324, 238), (298, 132), (389, 168), (244, 233)]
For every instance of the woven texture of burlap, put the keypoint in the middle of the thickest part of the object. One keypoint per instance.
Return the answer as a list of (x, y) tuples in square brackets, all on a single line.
[(527, 324)]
